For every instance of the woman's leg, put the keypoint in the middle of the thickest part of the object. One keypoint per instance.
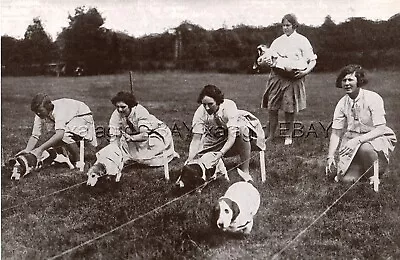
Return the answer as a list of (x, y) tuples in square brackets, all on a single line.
[(272, 124), (289, 120), (363, 161), (368, 156), (242, 146)]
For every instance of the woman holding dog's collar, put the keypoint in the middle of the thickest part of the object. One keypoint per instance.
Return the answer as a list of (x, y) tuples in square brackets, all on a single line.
[(366, 137), (135, 135), (219, 127), (285, 89), (71, 119)]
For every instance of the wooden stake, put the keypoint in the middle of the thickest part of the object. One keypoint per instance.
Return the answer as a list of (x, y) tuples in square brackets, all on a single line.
[(262, 166), (376, 176), (131, 80)]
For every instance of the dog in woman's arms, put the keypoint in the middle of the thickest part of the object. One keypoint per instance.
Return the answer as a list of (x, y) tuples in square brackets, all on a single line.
[(24, 163), (234, 212), (283, 65)]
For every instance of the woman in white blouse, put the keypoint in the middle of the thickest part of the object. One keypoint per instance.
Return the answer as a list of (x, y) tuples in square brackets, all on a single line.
[(285, 89), (136, 135), (359, 125), (219, 127)]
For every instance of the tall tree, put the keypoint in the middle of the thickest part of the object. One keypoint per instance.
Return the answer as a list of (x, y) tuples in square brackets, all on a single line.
[(37, 44), (84, 42)]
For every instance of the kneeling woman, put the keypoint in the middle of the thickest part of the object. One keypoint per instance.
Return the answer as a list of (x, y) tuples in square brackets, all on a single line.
[(366, 138), (136, 135), (219, 127)]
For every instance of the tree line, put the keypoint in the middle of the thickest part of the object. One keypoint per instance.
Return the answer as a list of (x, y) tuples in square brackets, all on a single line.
[(86, 44)]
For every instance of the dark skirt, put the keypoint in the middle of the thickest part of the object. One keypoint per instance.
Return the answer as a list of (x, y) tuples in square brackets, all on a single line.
[(285, 93)]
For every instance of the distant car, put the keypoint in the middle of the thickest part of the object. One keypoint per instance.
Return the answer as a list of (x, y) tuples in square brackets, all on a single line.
[(78, 71)]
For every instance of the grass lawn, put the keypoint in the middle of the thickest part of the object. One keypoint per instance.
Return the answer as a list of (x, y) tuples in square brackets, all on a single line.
[(138, 218)]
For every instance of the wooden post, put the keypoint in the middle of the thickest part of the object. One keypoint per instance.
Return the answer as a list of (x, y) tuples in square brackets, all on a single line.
[(166, 169), (262, 166), (131, 80), (376, 175), (81, 163)]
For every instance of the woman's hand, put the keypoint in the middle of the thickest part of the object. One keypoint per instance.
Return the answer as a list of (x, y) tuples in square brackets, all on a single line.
[(349, 147), (269, 61), (330, 162), (299, 74), (38, 152), (23, 151)]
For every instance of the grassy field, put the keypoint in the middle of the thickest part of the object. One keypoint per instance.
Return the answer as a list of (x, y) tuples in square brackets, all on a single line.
[(139, 218)]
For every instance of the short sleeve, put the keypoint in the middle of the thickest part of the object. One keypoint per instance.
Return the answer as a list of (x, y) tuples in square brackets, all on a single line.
[(144, 118), (60, 122), (198, 121), (232, 114), (37, 127), (339, 117), (308, 52), (377, 109)]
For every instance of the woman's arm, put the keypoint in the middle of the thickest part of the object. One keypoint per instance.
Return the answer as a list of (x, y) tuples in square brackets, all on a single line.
[(371, 135), (56, 138), (230, 141), (333, 145), (334, 142), (195, 146), (310, 67), (379, 130), (31, 143), (143, 135)]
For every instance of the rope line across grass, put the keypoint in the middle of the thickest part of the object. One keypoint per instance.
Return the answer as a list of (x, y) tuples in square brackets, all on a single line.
[(320, 216), (43, 196), (142, 215)]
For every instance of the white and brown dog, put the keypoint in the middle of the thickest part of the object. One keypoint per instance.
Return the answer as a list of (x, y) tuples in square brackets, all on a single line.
[(25, 163), (197, 172), (235, 210), (262, 54), (97, 171)]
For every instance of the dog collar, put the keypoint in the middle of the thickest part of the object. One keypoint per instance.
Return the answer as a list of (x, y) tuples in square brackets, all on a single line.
[(203, 169), (244, 225)]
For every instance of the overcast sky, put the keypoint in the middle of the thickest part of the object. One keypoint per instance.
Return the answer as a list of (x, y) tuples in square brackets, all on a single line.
[(140, 17)]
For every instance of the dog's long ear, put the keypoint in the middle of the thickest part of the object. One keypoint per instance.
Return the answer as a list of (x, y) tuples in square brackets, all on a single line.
[(22, 163), (235, 208), (191, 175), (12, 162), (215, 215)]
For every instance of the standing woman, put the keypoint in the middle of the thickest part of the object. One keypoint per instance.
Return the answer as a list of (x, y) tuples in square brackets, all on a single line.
[(286, 91), (366, 137)]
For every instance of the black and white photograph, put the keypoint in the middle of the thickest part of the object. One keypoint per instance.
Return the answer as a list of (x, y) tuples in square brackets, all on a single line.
[(183, 129)]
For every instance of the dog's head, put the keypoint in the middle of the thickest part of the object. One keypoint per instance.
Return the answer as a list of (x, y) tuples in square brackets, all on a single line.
[(23, 164), (226, 211), (193, 175), (261, 50), (95, 172)]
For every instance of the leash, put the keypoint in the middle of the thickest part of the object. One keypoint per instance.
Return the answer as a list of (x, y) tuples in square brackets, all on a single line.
[(275, 257), (141, 216), (41, 197)]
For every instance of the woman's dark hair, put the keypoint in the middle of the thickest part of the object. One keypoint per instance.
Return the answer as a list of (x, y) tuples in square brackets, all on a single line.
[(41, 99), (350, 69), (213, 92), (126, 97), (291, 19)]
